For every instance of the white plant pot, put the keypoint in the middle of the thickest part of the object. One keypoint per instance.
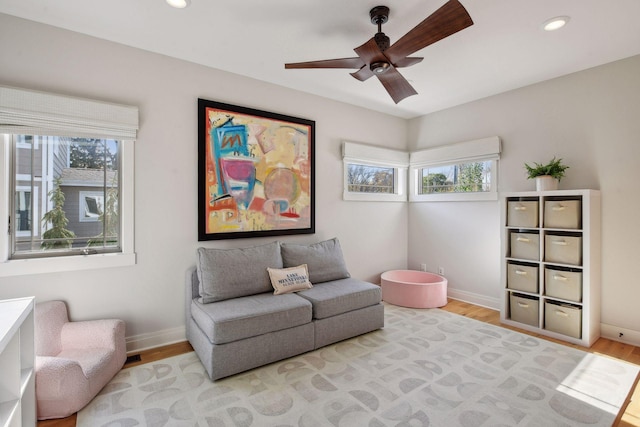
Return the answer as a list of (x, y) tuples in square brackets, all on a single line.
[(546, 183)]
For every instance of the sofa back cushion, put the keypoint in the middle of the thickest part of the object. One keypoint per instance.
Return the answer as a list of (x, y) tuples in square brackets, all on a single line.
[(324, 260), (232, 273)]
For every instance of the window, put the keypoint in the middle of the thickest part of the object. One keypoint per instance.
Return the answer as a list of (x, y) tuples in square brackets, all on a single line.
[(66, 186), (374, 173), (472, 177), (370, 179), (463, 171), (74, 176)]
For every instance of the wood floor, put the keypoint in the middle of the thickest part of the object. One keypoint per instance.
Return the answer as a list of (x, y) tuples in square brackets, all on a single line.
[(631, 416)]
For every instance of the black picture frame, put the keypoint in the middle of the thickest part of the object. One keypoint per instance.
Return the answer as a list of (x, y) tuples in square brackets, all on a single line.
[(256, 173)]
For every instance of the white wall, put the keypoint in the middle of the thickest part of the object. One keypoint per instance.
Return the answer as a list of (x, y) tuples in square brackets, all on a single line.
[(591, 119), (149, 295)]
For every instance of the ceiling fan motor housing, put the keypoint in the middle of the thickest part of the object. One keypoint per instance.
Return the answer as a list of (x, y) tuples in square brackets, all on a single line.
[(382, 41)]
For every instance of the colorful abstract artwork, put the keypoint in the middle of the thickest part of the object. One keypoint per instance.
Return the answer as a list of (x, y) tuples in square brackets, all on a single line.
[(255, 173)]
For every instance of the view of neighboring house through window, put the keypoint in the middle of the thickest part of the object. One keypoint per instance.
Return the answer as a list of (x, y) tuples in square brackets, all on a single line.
[(473, 177), (66, 196)]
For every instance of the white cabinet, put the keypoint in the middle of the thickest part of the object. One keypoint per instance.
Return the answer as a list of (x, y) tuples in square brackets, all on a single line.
[(551, 263), (17, 354)]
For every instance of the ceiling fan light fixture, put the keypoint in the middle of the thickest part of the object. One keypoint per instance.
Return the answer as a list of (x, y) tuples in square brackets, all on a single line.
[(179, 4), (379, 67), (555, 23)]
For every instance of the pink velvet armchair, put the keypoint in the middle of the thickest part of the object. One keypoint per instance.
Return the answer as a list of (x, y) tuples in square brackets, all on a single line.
[(74, 360)]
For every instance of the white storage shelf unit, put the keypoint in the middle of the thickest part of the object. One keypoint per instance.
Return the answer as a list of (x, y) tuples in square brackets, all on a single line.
[(551, 263), (17, 354)]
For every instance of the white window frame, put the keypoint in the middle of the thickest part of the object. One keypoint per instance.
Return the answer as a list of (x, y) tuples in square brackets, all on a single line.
[(29, 112), (479, 150), (367, 155)]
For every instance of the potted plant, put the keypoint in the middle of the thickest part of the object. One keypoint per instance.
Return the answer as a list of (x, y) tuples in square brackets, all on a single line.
[(547, 176)]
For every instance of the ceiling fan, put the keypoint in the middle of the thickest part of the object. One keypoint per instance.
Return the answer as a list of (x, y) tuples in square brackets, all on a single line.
[(380, 58)]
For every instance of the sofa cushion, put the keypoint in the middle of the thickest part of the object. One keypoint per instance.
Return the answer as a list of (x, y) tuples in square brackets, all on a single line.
[(287, 280), (340, 296), (324, 260), (244, 317), (232, 273)]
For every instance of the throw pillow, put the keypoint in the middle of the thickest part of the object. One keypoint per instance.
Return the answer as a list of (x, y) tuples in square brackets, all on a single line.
[(232, 273), (324, 260), (287, 280)]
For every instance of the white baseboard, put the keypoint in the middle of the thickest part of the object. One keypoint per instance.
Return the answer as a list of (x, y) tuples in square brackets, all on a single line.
[(629, 336), (141, 342), (477, 299)]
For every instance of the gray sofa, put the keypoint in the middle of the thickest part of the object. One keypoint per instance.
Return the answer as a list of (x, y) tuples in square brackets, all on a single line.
[(235, 322)]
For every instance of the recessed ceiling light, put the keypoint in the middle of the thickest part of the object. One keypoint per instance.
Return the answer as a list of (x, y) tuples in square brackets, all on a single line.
[(179, 4), (555, 23)]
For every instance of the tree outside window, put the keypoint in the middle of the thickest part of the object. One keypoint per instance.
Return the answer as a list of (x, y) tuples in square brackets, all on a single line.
[(458, 178), (370, 179)]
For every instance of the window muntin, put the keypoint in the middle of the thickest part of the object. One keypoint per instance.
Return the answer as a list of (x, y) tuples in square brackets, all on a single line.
[(64, 171), (370, 179), (470, 177)]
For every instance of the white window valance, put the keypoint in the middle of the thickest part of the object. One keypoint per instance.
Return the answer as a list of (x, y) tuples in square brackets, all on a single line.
[(376, 156), (463, 152), (30, 112)]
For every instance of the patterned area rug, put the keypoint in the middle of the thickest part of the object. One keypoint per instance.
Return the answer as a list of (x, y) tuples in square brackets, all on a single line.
[(425, 368)]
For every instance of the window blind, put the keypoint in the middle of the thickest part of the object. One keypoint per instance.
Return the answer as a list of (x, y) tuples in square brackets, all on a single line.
[(30, 112), (378, 156), (464, 152)]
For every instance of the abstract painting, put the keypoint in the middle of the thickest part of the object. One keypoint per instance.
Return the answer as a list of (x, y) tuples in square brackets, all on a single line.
[(255, 173)]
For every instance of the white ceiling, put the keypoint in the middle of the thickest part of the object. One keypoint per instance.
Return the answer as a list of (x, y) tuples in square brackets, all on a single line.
[(503, 50)]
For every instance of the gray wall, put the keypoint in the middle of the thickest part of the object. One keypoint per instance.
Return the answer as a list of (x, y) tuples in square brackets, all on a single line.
[(149, 295), (591, 119)]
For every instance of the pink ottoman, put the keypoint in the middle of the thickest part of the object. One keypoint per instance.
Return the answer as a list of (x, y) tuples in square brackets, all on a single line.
[(415, 289)]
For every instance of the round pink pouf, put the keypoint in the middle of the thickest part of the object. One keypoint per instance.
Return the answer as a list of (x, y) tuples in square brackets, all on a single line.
[(415, 289)]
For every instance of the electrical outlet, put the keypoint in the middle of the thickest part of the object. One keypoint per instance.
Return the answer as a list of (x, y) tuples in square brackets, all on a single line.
[(441, 271), (423, 267)]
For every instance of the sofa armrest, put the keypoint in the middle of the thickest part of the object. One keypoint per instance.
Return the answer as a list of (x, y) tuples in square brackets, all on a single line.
[(104, 333), (55, 375), (192, 285)]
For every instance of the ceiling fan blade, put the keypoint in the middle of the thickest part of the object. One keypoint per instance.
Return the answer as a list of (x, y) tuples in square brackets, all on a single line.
[(363, 73), (449, 19), (370, 52), (395, 83), (328, 63), (407, 62)]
